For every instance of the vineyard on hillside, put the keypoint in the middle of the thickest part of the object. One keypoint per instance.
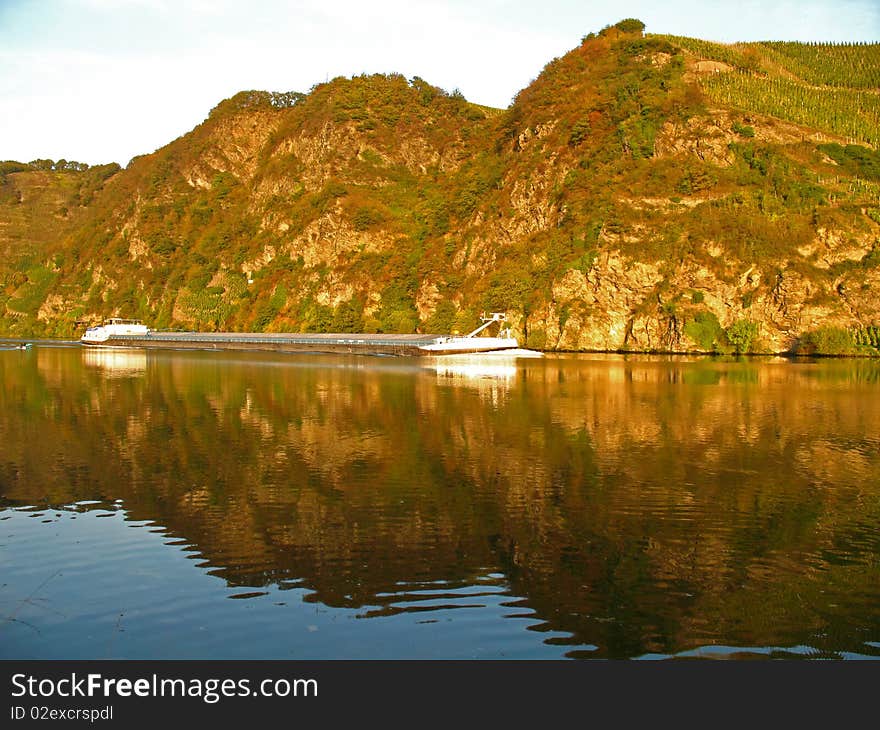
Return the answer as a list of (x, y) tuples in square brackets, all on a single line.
[(708, 50), (850, 113), (832, 87), (856, 66)]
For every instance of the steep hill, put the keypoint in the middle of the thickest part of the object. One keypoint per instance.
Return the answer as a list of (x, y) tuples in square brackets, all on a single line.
[(643, 193)]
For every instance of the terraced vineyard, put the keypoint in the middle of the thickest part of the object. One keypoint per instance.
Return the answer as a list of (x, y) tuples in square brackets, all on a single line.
[(832, 87), (850, 113), (856, 66), (707, 50)]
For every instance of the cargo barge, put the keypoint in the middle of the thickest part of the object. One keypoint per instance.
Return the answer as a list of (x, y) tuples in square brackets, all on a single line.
[(131, 333)]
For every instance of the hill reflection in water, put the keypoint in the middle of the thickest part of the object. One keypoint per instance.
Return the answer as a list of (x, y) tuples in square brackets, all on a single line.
[(615, 506)]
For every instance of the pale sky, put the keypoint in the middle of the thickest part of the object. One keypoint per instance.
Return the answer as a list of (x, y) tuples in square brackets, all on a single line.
[(105, 80)]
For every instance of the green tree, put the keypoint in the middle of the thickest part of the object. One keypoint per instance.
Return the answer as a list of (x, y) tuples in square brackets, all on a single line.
[(741, 335), (630, 25), (348, 317), (706, 331)]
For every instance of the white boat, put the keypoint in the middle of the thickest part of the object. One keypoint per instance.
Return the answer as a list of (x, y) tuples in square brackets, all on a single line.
[(114, 328), (472, 342)]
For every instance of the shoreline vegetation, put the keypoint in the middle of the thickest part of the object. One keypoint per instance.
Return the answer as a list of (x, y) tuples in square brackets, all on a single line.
[(645, 193)]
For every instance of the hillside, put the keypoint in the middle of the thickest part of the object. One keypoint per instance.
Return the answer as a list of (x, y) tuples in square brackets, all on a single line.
[(644, 193)]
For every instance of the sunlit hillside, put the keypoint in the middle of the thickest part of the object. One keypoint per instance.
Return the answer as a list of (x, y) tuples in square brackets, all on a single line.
[(642, 193)]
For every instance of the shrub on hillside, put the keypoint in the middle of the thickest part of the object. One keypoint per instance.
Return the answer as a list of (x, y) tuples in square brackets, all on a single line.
[(742, 335), (827, 341), (706, 331)]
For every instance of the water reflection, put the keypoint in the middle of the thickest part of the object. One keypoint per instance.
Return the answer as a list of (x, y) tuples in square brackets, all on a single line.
[(626, 506), (475, 370), (121, 363)]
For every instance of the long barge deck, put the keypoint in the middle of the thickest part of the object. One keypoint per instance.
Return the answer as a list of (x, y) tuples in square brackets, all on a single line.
[(329, 343)]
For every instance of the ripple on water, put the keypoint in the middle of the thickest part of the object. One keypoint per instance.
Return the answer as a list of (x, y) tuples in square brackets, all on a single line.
[(102, 590)]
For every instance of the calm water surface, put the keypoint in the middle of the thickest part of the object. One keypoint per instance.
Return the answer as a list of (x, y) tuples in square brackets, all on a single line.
[(219, 505)]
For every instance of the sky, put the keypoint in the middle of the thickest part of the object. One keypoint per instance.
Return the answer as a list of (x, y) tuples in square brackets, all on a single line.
[(105, 80)]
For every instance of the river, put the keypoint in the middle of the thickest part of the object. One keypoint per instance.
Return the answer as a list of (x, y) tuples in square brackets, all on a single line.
[(237, 505)]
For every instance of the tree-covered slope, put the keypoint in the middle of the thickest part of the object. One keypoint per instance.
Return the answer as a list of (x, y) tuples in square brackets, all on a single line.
[(625, 200)]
